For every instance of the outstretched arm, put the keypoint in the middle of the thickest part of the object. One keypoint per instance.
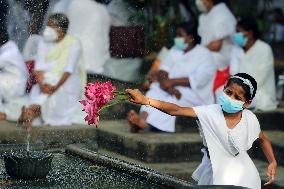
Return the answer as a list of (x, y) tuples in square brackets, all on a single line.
[(172, 109), (268, 151)]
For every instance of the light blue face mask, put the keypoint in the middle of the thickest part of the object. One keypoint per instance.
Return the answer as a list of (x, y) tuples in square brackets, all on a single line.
[(180, 43), (240, 39), (230, 105)]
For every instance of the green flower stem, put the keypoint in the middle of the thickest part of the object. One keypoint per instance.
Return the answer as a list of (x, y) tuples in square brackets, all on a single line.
[(120, 92), (119, 98)]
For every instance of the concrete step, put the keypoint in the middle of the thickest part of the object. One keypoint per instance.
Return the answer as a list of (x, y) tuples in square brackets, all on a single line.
[(148, 147), (49, 136), (158, 147), (270, 120), (277, 140), (114, 135), (184, 170)]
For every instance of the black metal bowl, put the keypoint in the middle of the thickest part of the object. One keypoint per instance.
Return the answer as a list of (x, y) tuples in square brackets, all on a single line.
[(28, 165)]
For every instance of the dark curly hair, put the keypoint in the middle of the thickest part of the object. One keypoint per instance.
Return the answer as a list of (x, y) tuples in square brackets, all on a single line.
[(246, 88), (60, 20), (250, 24), (190, 29)]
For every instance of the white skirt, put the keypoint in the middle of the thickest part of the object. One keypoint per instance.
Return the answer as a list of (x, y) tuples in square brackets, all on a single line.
[(203, 173)]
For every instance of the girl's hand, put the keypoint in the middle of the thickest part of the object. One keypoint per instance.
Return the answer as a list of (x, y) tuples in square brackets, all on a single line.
[(271, 171), (136, 96)]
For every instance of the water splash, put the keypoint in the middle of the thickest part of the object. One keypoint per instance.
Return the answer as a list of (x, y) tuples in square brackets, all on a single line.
[(18, 19), (28, 138)]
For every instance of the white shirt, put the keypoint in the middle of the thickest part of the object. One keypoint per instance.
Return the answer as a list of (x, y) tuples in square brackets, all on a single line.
[(218, 23), (31, 47), (70, 67), (258, 62), (90, 23), (13, 71), (196, 65), (59, 108), (10, 54)]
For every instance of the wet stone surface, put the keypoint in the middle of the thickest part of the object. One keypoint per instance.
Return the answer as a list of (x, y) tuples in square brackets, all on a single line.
[(73, 172)]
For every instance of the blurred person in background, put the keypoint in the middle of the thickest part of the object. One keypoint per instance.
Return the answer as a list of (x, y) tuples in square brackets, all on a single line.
[(30, 53), (60, 74), (90, 23), (276, 19), (31, 45), (155, 67), (255, 57), (216, 26), (13, 73), (185, 77)]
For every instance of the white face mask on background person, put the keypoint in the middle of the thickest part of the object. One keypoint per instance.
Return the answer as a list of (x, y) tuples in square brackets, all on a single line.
[(200, 6), (179, 43), (50, 34)]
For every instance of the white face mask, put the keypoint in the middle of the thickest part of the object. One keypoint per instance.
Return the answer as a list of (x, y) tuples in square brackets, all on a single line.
[(50, 34), (200, 6)]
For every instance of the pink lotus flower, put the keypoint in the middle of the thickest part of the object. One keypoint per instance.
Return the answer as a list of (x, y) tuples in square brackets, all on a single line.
[(92, 115), (97, 94)]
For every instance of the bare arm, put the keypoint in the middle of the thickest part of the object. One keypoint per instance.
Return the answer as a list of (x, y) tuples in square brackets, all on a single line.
[(180, 82), (215, 45), (172, 109), (162, 75), (268, 151), (49, 89), (39, 76), (62, 80)]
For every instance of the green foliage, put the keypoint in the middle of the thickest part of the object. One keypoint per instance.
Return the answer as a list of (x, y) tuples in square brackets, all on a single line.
[(159, 18)]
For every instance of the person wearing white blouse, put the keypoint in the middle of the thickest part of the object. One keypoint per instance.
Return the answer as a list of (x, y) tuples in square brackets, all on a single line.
[(61, 76), (216, 26), (255, 57), (185, 77), (13, 73)]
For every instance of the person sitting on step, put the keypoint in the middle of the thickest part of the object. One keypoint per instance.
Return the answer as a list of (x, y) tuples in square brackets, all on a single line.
[(185, 77), (61, 76)]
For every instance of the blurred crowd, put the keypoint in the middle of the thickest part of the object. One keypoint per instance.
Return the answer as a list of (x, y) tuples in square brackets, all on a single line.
[(43, 83), (195, 69)]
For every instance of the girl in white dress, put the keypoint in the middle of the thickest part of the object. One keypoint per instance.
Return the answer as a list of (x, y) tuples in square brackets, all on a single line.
[(228, 130)]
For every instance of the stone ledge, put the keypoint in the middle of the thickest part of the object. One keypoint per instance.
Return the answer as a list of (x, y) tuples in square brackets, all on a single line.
[(184, 170), (269, 120), (130, 168), (148, 147), (157, 147), (10, 133), (138, 170), (113, 135)]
